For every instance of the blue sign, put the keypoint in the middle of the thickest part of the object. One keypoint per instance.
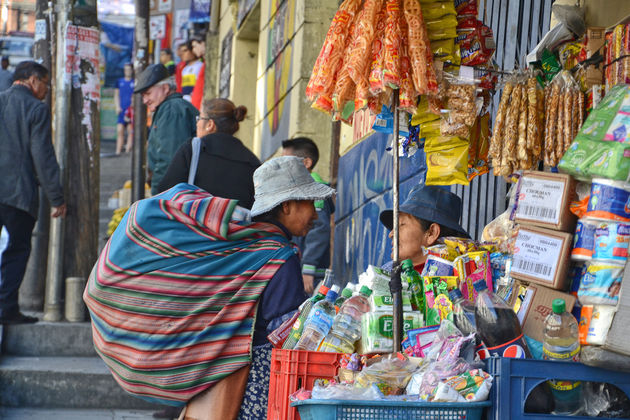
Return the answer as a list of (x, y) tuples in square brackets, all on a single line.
[(200, 11), (364, 190)]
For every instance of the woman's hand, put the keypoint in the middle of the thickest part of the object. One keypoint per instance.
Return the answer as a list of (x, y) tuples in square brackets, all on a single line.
[(308, 281)]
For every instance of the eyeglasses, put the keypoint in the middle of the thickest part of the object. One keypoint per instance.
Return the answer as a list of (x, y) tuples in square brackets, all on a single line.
[(198, 117)]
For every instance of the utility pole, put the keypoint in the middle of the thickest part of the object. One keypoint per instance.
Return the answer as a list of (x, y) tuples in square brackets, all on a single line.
[(32, 289), (74, 241), (141, 51)]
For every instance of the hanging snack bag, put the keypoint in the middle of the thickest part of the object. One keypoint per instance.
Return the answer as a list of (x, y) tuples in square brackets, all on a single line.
[(435, 10), (466, 7), (447, 163), (470, 268), (435, 266), (601, 283)]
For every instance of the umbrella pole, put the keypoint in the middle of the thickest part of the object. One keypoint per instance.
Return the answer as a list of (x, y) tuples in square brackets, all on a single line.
[(395, 282)]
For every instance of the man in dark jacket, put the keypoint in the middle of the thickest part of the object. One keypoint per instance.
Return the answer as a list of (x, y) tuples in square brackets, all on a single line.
[(315, 246), (173, 120), (27, 158)]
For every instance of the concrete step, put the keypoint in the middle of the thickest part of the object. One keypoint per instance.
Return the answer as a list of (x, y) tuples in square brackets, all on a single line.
[(62, 382), (49, 339), (69, 414)]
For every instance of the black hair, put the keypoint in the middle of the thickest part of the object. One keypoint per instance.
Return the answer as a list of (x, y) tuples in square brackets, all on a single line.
[(26, 69), (303, 147), (444, 231), (270, 216), (189, 45), (167, 51)]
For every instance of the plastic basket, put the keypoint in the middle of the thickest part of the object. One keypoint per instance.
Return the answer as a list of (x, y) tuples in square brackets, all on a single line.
[(292, 370), (514, 379), (390, 410)]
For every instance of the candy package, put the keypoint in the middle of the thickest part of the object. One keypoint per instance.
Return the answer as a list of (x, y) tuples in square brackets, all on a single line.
[(470, 268)]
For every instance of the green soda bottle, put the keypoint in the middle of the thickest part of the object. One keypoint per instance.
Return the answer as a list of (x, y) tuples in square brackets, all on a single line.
[(412, 277)]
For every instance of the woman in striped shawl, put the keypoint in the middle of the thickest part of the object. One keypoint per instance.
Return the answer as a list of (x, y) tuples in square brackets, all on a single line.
[(184, 295)]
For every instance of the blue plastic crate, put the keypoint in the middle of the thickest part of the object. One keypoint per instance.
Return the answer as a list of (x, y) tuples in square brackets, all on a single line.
[(388, 410), (514, 379)]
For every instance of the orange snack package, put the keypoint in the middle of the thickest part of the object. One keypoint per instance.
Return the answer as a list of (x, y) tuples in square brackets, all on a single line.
[(420, 54), (392, 41)]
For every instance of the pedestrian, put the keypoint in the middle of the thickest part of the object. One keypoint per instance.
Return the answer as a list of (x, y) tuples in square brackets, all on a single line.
[(122, 98), (166, 58), (27, 158), (428, 213), (207, 288), (6, 77), (315, 246), (222, 156), (199, 49), (172, 124), (190, 73)]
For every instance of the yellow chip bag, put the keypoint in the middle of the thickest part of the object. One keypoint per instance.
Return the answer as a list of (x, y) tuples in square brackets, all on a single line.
[(430, 129), (447, 161), (422, 114), (434, 11), (443, 47)]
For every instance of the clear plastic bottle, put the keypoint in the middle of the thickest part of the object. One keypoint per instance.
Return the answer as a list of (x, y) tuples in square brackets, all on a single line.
[(346, 294), (305, 310), (561, 342), (463, 312), (319, 322), (346, 328), (415, 284)]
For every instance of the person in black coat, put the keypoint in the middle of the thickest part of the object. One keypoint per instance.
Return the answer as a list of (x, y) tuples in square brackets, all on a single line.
[(226, 167)]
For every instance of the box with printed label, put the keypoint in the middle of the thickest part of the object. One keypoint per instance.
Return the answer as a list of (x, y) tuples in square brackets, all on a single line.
[(544, 200), (532, 304), (542, 256)]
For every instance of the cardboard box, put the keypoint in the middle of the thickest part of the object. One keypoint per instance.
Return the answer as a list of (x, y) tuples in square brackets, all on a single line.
[(544, 200), (618, 339), (534, 304), (595, 39), (542, 256)]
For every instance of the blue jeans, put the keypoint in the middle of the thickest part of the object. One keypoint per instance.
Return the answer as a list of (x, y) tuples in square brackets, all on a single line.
[(19, 225)]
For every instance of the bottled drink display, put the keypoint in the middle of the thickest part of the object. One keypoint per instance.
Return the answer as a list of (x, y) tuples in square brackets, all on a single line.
[(319, 322), (463, 312), (416, 289), (346, 328), (346, 294), (298, 325), (497, 325), (561, 343)]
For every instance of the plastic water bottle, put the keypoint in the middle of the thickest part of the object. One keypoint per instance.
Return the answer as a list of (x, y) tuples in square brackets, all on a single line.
[(346, 328), (345, 295), (416, 289), (319, 322), (463, 312), (298, 325), (497, 325), (562, 343)]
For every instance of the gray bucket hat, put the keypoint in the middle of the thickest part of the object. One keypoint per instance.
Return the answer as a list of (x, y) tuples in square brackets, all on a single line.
[(152, 75), (282, 179)]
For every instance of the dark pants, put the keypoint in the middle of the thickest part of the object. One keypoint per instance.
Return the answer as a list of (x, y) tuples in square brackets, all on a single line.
[(20, 226)]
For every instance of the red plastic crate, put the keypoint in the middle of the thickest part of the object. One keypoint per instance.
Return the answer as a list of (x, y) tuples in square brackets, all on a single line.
[(292, 370)]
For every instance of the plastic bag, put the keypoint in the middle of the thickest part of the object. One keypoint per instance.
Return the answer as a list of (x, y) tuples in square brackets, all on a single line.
[(600, 357), (434, 11), (392, 370), (346, 392), (605, 400), (471, 386), (447, 164)]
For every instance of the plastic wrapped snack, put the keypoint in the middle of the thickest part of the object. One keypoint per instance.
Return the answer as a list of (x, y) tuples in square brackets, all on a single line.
[(471, 386), (447, 164)]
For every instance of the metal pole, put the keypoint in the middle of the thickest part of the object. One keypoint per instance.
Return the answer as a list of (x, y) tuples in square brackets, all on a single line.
[(138, 166), (396, 286), (54, 280)]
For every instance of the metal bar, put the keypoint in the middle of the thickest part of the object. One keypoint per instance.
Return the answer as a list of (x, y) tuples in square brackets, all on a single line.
[(395, 284), (138, 167), (54, 278)]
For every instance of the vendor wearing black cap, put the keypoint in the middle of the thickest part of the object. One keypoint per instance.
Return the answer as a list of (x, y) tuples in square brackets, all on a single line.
[(174, 120), (428, 213)]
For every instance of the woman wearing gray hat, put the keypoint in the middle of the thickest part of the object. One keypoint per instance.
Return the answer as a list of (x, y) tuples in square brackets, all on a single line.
[(428, 213)]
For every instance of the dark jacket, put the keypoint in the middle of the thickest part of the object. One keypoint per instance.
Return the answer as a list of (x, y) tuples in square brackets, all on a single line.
[(226, 168), (315, 246), (173, 124), (27, 157)]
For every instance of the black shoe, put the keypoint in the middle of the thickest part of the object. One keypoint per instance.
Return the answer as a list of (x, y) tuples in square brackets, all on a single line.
[(168, 413), (18, 318)]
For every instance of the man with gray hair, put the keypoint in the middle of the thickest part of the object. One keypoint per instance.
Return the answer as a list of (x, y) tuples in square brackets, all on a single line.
[(174, 120)]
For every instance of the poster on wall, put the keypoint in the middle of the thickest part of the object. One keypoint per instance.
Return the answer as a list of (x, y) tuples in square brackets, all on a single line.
[(82, 60), (180, 25), (200, 11), (226, 65), (165, 6), (157, 27)]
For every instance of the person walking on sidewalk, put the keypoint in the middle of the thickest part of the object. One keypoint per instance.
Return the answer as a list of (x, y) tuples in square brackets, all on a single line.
[(6, 77), (122, 98), (173, 120), (315, 246), (27, 158)]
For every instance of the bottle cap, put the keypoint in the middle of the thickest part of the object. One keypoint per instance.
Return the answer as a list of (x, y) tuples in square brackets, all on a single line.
[(365, 291), (407, 264), (347, 292), (455, 294), (331, 295), (480, 285), (558, 306)]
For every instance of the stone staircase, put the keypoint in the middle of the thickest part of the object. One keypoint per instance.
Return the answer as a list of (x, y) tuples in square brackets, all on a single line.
[(51, 371)]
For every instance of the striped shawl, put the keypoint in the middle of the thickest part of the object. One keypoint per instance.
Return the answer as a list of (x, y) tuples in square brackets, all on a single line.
[(173, 294)]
